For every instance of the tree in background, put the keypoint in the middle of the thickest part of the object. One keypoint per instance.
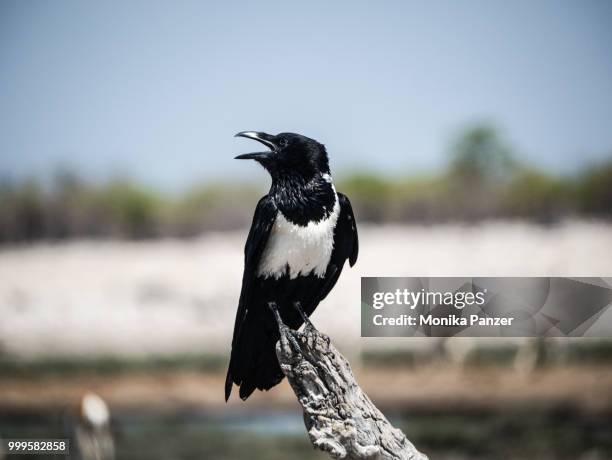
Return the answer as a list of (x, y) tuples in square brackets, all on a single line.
[(595, 190), (481, 167)]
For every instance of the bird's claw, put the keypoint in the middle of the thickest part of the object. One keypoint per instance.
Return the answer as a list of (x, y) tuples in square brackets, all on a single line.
[(285, 331), (290, 335)]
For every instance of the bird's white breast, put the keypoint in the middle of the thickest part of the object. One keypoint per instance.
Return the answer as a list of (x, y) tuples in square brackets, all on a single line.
[(304, 249)]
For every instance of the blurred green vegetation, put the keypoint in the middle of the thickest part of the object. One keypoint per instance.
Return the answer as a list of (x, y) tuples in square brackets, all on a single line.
[(579, 353), (483, 180), (69, 207), (110, 365), (582, 352)]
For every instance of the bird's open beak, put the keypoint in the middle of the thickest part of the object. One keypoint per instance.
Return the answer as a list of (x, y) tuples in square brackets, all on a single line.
[(265, 139)]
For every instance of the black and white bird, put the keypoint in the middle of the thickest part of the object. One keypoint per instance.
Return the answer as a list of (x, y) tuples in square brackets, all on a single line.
[(301, 235)]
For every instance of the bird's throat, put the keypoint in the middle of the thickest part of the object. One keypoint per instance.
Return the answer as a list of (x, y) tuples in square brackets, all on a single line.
[(303, 202)]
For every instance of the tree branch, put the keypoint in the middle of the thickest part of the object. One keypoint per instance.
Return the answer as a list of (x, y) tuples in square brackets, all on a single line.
[(340, 418)]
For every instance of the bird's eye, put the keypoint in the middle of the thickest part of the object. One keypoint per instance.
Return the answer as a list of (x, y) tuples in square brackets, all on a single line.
[(283, 142)]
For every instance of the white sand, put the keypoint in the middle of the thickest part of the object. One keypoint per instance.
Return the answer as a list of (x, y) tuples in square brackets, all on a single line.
[(180, 296)]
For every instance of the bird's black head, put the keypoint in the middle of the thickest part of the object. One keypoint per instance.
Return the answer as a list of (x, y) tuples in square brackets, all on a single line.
[(289, 155)]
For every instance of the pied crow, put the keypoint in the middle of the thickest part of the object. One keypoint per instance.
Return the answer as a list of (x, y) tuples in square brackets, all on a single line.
[(301, 235)]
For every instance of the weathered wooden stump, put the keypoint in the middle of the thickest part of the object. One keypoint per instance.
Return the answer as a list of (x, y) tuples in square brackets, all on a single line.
[(340, 418)]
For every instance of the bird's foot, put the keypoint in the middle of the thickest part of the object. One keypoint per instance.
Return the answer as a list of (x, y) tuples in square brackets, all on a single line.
[(272, 306), (285, 331), (307, 323)]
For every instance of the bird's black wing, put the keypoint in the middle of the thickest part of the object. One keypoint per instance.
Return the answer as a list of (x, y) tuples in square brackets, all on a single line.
[(346, 241), (346, 246), (263, 220)]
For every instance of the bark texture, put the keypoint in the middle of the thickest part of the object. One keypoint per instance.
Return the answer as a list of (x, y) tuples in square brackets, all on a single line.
[(340, 418)]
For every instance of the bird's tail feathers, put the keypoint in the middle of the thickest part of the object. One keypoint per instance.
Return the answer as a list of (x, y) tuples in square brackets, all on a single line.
[(253, 363)]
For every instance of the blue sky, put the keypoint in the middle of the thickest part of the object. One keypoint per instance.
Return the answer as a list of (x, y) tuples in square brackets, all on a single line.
[(157, 89)]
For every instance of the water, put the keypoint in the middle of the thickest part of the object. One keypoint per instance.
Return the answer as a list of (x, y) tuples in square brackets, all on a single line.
[(525, 433)]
